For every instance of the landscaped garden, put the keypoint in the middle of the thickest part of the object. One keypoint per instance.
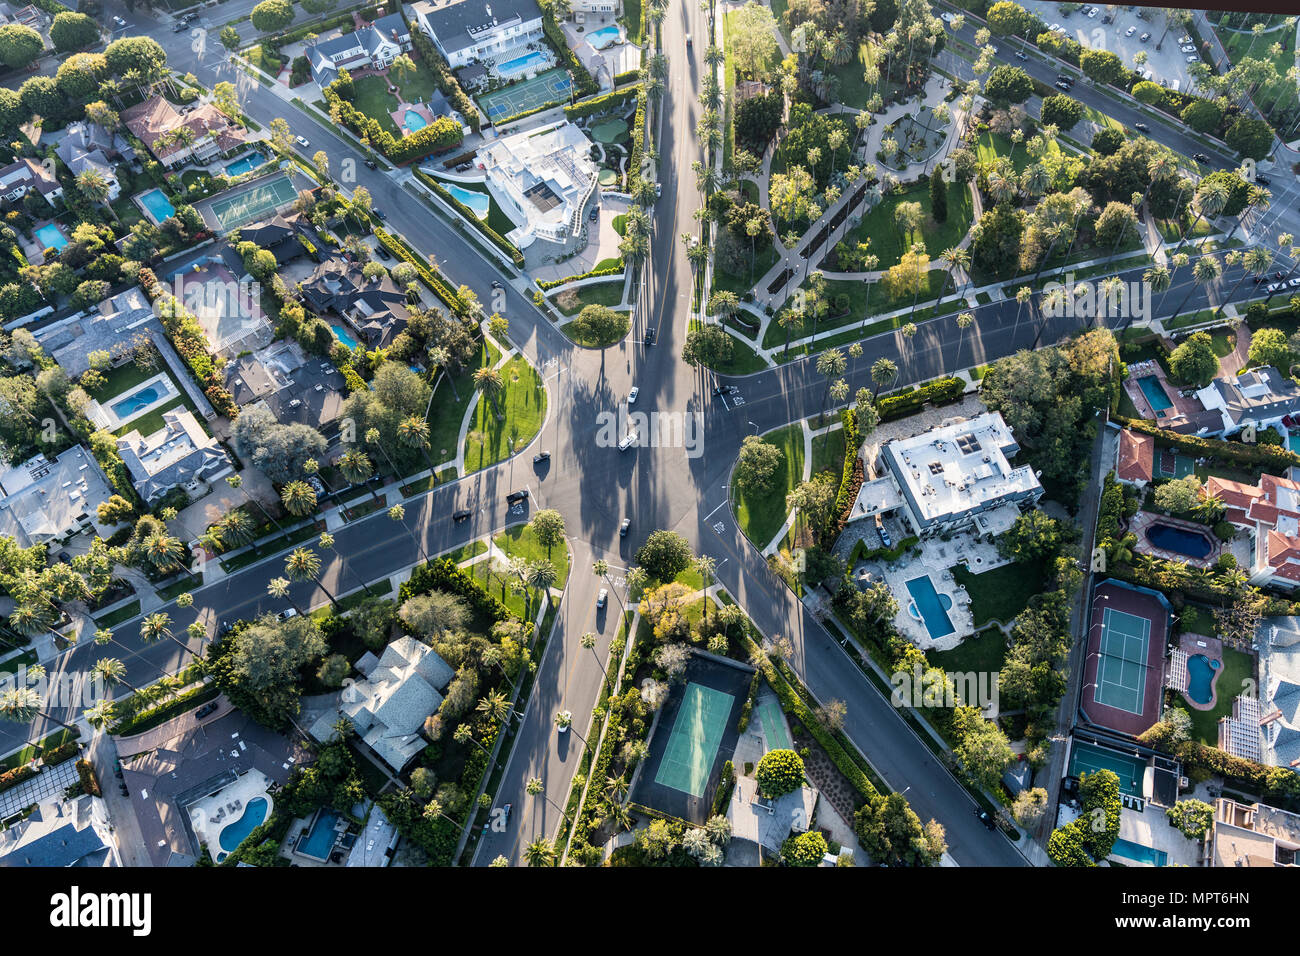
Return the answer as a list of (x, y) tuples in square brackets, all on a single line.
[(761, 515), (498, 432)]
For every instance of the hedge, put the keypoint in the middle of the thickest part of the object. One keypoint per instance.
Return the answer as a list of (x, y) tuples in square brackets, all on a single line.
[(853, 473), (498, 240), (1276, 456), (11, 778), (905, 403), (601, 103), (435, 283), (442, 134), (443, 575), (545, 284), (448, 85), (585, 85), (861, 553), (191, 344)]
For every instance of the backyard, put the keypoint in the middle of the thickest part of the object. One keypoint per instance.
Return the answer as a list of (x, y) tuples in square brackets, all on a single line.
[(372, 96), (1238, 674), (998, 594)]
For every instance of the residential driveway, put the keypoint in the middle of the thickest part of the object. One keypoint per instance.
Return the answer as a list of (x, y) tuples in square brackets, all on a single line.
[(1167, 65)]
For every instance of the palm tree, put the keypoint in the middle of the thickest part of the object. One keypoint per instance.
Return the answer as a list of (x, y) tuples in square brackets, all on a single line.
[(299, 498), (1256, 261), (490, 385), (883, 372), (165, 552), (831, 364), (541, 575), (541, 852), (955, 257), (279, 588), (357, 468), (495, 706), (1210, 198), (964, 321), (110, 672), (413, 432), (22, 705), (1159, 278), (1207, 270), (236, 482), (94, 186), (157, 626), (398, 513)]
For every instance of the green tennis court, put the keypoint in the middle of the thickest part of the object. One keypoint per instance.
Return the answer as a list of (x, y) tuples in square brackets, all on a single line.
[(259, 201), (695, 738), (1088, 758), (542, 90), (1121, 668)]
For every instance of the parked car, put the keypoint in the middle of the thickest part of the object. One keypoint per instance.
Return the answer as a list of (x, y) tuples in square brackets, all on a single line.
[(986, 818), (541, 456), (1192, 58), (622, 528), (1187, 48), (723, 389), (383, 253), (1065, 78), (1020, 55), (287, 613), (1200, 157), (209, 708), (688, 40), (519, 495), (1274, 287), (883, 532), (1142, 127), (628, 440), (371, 164), (1092, 12), (1062, 85), (1107, 19), (1056, 28), (302, 141), (1185, 38), (180, 26), (119, 23), (379, 214), (1262, 180), (946, 17), (594, 214), (650, 335), (1130, 31), (632, 394), (1294, 282), (1144, 38)]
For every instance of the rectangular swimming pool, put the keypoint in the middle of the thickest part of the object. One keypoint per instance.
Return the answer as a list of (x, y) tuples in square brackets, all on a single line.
[(521, 64), (157, 205), (320, 840), (1139, 853), (51, 236), (929, 606), (245, 164), (1155, 394)]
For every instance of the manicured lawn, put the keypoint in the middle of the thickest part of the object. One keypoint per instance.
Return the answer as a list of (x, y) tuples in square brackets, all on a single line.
[(990, 145), (1238, 44), (373, 99), (857, 314), (118, 380), (264, 60), (465, 552), (828, 452), (853, 91), (742, 282), (521, 542), (878, 228), (999, 594), (984, 653), (1238, 667), (449, 410), (522, 406), (762, 514), (574, 301), (743, 360), (502, 587), (124, 613), (151, 421)]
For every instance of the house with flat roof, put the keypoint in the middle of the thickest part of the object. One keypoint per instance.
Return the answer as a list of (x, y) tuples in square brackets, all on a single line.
[(1260, 398), (544, 180), (375, 845), (180, 453), (1269, 512), (21, 177), (959, 476), (43, 500), (62, 832), (388, 708), (467, 31), (1251, 835), (1135, 458), (375, 45), (209, 132), (376, 308)]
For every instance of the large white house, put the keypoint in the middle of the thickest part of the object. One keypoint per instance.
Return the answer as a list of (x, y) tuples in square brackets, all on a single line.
[(375, 46), (544, 180), (953, 477), (469, 31)]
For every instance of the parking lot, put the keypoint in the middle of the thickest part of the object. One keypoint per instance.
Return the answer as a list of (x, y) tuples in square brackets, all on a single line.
[(1168, 65)]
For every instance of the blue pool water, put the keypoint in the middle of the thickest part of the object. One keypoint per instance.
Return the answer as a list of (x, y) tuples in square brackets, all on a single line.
[(157, 204), (1139, 853), (1192, 544), (245, 164), (320, 840), (341, 334), (136, 401), (1294, 443), (478, 202), (603, 37), (414, 121), (931, 606), (1155, 393), (235, 833), (521, 64), (51, 236), (1200, 677)]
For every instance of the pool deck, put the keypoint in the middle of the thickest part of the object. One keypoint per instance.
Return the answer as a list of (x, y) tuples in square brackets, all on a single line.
[(1143, 520), (1151, 828), (1148, 369), (1212, 648), (212, 814)]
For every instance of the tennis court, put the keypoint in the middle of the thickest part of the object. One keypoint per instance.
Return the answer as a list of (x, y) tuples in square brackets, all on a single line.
[(259, 200), (1121, 671), (1089, 758), (542, 90), (694, 741)]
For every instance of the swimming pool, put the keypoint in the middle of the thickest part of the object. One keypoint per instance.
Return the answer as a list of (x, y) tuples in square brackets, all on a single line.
[(341, 334), (605, 36), (245, 164), (521, 64), (51, 236), (136, 401), (476, 201), (318, 842), (929, 606), (1200, 678), (157, 205), (1192, 544), (235, 833), (1293, 442), (1139, 853), (1155, 394), (413, 121)]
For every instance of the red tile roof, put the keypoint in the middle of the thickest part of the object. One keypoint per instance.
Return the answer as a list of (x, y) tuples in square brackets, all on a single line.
[(1136, 456)]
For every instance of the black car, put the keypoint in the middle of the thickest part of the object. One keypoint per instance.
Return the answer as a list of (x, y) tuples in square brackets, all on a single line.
[(650, 335), (1107, 18), (541, 456), (383, 253), (180, 26), (371, 164), (209, 708), (1065, 78), (986, 818), (1200, 157), (723, 389), (1020, 55), (519, 495), (379, 214), (622, 528), (460, 515), (1262, 180)]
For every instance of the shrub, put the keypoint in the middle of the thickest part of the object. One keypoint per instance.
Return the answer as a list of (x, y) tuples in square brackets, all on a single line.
[(779, 772)]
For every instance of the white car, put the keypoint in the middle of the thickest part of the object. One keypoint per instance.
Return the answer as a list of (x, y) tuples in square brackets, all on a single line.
[(1294, 283), (628, 440), (1187, 48), (946, 17), (119, 23), (1056, 28), (1092, 12), (1274, 287), (1193, 58), (632, 394), (602, 597), (1185, 38), (301, 141), (1130, 31)]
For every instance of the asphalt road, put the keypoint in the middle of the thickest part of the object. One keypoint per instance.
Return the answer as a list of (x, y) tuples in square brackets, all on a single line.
[(595, 487)]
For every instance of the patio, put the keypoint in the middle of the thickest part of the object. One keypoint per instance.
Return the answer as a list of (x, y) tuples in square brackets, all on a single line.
[(213, 813), (1143, 523)]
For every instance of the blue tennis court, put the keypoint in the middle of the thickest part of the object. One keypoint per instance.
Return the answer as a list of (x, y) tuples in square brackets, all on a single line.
[(544, 89), (694, 740), (1089, 758), (1122, 665)]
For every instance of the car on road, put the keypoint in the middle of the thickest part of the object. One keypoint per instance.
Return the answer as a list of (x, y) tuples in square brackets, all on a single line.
[(379, 214), (180, 26), (1062, 85), (541, 456), (1257, 279), (1193, 58), (1130, 31), (1294, 282), (632, 394), (602, 598), (119, 23), (519, 495), (302, 141), (1274, 287), (622, 528), (1142, 127), (723, 389), (650, 334), (628, 440), (1065, 78), (460, 515), (1020, 55), (986, 818), (1200, 157), (1144, 38), (208, 708), (371, 164), (688, 40), (1262, 180), (947, 17), (496, 284), (287, 613)]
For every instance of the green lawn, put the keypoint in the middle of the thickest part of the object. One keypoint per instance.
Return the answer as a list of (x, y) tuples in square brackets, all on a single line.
[(878, 228), (990, 145), (124, 613), (853, 91), (1238, 44), (828, 452), (465, 552), (118, 380), (762, 514), (521, 542), (998, 594), (522, 405), (984, 653), (864, 300), (743, 360), (573, 301), (373, 99), (742, 282), (1238, 667), (448, 409)]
